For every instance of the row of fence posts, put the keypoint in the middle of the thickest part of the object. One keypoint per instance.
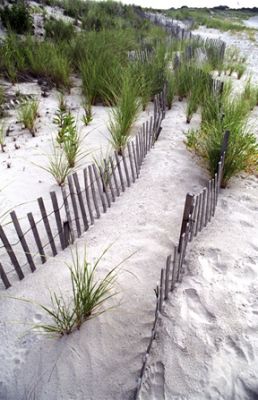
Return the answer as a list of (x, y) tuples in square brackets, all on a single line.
[(198, 211), (83, 203)]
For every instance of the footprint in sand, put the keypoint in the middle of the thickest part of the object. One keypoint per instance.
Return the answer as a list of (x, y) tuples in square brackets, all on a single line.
[(153, 385), (197, 308)]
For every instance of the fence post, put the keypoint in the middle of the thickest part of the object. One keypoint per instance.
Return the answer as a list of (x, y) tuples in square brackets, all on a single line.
[(188, 209), (68, 214)]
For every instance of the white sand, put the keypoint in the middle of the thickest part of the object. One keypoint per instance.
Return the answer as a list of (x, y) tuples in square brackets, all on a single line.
[(209, 338)]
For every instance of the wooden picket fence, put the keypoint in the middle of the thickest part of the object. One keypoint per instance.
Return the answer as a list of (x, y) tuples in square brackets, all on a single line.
[(89, 193), (199, 209)]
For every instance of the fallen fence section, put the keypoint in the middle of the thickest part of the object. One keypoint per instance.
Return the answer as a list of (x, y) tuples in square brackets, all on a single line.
[(89, 193), (198, 211)]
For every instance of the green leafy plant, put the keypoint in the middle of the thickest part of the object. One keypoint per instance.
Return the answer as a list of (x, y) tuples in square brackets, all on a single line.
[(28, 115)]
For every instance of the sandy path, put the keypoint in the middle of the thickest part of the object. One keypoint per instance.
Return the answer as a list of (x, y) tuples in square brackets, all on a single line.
[(208, 342), (102, 361)]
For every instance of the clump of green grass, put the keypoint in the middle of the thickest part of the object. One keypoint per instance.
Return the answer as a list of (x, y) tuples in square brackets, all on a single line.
[(28, 115), (59, 30), (57, 165), (250, 93), (221, 113), (124, 113), (170, 88), (68, 137), (89, 295), (87, 116)]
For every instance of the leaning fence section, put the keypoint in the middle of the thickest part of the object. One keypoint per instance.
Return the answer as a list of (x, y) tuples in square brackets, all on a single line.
[(67, 214), (199, 209)]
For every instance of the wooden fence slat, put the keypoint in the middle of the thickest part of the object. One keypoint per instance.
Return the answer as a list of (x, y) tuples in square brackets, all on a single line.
[(93, 191), (81, 202), (68, 215), (167, 273), (212, 199), (11, 253), (119, 171), (135, 161), (219, 179), (143, 139), (104, 184), (137, 146), (74, 204), (161, 291), (146, 137), (131, 160), (67, 233), (215, 193), (37, 238), (58, 218), (199, 196), (107, 169), (126, 170), (181, 257), (175, 267), (47, 225), (208, 203), (150, 133), (22, 240), (194, 217), (203, 211), (102, 199), (114, 176), (188, 209), (4, 278), (87, 194)]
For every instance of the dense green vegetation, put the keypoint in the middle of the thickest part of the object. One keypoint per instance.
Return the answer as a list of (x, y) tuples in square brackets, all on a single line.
[(17, 17), (222, 19), (123, 60)]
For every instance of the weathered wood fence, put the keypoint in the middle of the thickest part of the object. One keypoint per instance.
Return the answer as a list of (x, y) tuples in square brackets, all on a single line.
[(199, 209), (89, 193)]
